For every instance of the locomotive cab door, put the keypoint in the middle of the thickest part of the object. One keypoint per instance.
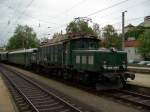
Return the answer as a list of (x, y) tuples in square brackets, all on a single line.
[(66, 47)]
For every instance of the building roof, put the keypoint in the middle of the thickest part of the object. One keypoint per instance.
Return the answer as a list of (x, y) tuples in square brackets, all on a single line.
[(131, 43), (146, 22), (129, 26)]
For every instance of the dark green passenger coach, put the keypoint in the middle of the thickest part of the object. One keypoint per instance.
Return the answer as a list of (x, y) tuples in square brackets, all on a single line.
[(3, 56), (21, 57)]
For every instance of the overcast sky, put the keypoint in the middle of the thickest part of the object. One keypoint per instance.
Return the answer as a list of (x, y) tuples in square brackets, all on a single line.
[(56, 14)]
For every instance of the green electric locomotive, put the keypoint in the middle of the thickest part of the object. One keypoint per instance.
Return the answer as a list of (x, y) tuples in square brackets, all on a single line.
[(80, 59)]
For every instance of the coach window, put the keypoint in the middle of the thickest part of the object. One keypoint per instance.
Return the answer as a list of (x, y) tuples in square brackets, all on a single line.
[(83, 59), (90, 60), (51, 57), (77, 59)]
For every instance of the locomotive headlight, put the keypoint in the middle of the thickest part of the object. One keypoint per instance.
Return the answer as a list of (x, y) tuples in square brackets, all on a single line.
[(124, 64), (104, 66)]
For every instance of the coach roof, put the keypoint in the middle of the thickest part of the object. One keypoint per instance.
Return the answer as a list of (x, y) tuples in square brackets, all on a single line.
[(23, 51)]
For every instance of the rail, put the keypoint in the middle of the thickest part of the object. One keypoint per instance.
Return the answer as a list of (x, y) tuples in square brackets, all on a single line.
[(36, 89)]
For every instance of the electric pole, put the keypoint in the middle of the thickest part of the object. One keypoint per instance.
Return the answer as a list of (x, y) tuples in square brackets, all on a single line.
[(123, 36)]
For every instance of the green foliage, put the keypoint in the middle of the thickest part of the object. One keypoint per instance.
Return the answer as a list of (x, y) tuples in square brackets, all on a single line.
[(57, 35), (144, 46), (134, 32), (80, 27), (96, 29), (24, 37), (111, 38)]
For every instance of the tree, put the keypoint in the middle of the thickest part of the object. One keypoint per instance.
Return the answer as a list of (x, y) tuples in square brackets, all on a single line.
[(111, 37), (57, 34), (134, 32), (96, 29), (144, 44), (80, 27), (24, 37)]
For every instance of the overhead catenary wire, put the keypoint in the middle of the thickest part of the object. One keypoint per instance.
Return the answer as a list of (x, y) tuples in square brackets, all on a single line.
[(73, 7), (111, 6), (104, 9), (130, 7), (28, 5), (43, 21), (59, 26)]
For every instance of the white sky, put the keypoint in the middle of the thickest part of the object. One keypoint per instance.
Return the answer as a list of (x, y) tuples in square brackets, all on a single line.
[(56, 14)]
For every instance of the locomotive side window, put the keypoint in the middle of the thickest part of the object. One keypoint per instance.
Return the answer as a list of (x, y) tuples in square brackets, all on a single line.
[(77, 59), (55, 57), (51, 53), (84, 60), (90, 60), (88, 43)]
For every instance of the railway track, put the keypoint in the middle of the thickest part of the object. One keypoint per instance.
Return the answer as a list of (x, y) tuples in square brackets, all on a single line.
[(135, 98), (31, 97), (127, 96)]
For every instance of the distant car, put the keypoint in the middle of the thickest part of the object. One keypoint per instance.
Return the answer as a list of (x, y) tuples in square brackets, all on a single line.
[(130, 61), (136, 61), (133, 61), (144, 62), (148, 64)]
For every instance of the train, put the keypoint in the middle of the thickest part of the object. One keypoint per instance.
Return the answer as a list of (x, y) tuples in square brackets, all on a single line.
[(78, 58)]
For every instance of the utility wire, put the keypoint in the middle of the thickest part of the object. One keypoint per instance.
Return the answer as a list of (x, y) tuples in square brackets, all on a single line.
[(111, 6), (28, 5), (74, 6), (23, 13), (114, 5), (130, 7)]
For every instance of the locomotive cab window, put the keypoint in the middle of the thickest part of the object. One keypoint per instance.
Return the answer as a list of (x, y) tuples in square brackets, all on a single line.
[(84, 59), (77, 59), (87, 43), (90, 60)]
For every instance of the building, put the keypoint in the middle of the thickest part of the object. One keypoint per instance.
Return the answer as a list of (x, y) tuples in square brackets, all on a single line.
[(2, 49), (129, 27), (131, 48), (146, 22), (131, 43)]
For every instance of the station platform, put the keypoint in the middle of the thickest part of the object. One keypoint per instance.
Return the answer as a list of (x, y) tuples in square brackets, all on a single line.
[(139, 69), (141, 79), (6, 101)]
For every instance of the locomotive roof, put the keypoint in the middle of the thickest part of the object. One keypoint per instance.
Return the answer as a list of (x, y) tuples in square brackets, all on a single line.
[(64, 38), (23, 50)]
